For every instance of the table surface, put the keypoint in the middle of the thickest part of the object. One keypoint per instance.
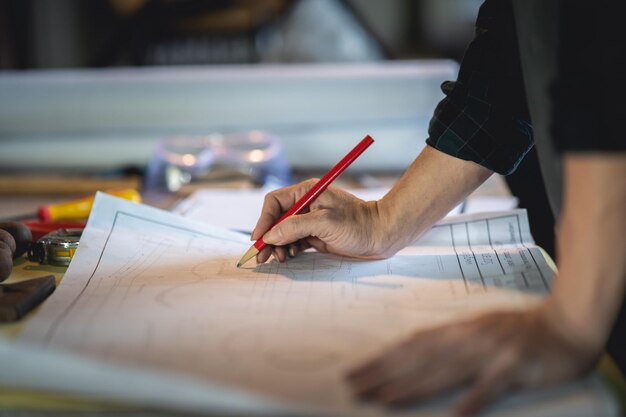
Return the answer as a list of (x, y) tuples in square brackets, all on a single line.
[(27, 403)]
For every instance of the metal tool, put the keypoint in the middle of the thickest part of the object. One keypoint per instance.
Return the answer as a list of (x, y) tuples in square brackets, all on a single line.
[(56, 248)]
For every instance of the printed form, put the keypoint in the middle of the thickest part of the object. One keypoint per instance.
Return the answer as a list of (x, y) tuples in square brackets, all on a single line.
[(161, 292)]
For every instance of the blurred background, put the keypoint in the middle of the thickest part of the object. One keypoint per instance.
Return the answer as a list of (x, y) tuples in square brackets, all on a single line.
[(103, 88), (174, 95), (105, 33)]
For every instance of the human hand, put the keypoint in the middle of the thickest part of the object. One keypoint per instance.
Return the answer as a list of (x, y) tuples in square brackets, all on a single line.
[(336, 222), (494, 354), (14, 240)]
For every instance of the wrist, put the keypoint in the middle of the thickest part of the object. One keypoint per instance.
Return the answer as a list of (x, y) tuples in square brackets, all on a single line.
[(378, 225), (392, 228)]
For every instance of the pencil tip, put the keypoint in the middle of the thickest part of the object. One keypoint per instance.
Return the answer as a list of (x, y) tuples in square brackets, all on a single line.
[(251, 253)]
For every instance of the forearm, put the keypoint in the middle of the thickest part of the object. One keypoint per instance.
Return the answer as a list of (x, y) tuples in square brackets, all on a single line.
[(433, 185), (526, 349), (592, 247)]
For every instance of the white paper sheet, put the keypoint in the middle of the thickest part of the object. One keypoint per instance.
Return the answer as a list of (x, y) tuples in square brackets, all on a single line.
[(40, 369), (482, 204), (156, 290), (240, 209)]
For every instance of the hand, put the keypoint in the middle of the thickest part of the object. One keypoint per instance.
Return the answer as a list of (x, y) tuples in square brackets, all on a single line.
[(336, 222), (494, 353), (14, 240)]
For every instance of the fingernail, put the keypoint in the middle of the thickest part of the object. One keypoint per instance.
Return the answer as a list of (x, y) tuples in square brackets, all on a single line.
[(292, 251)]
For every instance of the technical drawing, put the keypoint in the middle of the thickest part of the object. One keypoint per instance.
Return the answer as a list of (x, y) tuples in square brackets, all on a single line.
[(307, 349)]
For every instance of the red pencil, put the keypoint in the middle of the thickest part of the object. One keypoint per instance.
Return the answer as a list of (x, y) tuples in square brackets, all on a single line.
[(312, 194)]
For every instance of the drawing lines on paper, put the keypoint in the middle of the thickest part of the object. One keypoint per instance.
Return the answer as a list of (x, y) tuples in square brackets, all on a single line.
[(118, 215), (472, 254), (481, 268), (543, 277), (459, 260), (311, 348), (293, 286), (491, 245)]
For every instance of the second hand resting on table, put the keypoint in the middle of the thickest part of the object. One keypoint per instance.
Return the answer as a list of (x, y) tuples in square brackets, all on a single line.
[(499, 351)]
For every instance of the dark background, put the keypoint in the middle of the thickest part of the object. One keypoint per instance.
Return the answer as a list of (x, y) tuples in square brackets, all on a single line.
[(102, 33)]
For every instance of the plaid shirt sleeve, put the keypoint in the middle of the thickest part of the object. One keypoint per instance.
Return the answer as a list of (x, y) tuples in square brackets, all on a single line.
[(484, 117)]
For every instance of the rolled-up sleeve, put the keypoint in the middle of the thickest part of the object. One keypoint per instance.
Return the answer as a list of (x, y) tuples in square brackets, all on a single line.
[(484, 117)]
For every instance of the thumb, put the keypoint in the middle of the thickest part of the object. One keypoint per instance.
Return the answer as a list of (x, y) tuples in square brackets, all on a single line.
[(296, 227)]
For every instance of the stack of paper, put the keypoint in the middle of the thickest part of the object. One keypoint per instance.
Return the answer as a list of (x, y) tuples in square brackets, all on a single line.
[(153, 311), (240, 209)]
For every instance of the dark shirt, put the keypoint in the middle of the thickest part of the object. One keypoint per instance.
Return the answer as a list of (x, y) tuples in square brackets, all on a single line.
[(578, 97), (484, 117), (588, 95)]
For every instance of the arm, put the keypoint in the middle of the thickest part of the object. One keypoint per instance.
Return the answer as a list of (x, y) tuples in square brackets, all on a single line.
[(432, 186), (592, 246), (557, 341), (340, 223), (482, 120)]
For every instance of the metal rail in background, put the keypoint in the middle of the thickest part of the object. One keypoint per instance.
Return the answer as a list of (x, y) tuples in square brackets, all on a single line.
[(107, 118)]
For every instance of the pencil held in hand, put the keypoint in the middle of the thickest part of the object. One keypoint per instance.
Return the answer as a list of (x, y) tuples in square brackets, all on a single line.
[(312, 194)]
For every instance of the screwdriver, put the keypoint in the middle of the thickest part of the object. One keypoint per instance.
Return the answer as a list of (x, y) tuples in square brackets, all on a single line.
[(80, 208)]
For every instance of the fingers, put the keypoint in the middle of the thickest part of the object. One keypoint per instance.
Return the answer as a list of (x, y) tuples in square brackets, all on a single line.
[(407, 371), (7, 248), (295, 248), (413, 388), (278, 202), (335, 222), (483, 393), (264, 254), (418, 347), (281, 253), (315, 243), (496, 352), (298, 227), (491, 385), (370, 377)]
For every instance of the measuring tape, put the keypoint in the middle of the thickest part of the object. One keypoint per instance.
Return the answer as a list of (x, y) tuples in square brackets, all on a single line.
[(56, 248)]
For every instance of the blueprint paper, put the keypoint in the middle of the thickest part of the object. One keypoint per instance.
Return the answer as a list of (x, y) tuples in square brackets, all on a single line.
[(156, 290)]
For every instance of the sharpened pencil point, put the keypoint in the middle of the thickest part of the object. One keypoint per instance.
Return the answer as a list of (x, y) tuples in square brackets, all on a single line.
[(251, 253)]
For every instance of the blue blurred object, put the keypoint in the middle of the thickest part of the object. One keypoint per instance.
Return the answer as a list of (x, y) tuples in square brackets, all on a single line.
[(193, 160)]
